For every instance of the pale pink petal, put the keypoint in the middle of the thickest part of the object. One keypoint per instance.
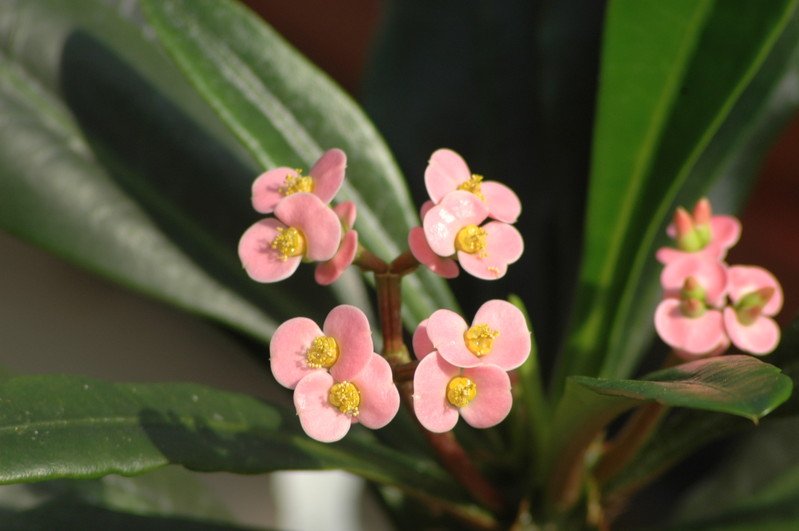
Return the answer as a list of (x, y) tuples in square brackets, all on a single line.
[(445, 329), (725, 230), (317, 222), (318, 417), (454, 212), (346, 212), (512, 346), (350, 327), (260, 260), (328, 272), (425, 208), (288, 350), (711, 275), (712, 251), (422, 346), (503, 203), (720, 349), (266, 188), (493, 400), (430, 403), (328, 174), (504, 245), (379, 396), (444, 173), (747, 279), (760, 337), (445, 267), (695, 335)]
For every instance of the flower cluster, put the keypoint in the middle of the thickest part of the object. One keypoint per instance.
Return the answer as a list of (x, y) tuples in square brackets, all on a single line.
[(707, 303), (463, 369), (304, 226), (337, 377), (454, 222)]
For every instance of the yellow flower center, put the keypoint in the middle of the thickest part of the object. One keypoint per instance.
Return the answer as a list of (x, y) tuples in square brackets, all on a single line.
[(323, 353), (473, 186), (471, 239), (346, 397), (288, 242), (461, 391), (297, 183), (480, 339)]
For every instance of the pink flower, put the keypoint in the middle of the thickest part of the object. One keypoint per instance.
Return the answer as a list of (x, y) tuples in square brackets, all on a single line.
[(328, 272), (422, 346), (756, 295), (708, 277), (690, 328), (702, 234), (451, 228), (442, 392), (498, 336), (328, 406), (417, 242), (343, 346), (272, 249), (324, 181), (447, 172)]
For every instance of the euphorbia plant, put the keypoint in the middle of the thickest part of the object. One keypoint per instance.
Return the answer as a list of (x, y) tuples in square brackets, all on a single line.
[(558, 430)]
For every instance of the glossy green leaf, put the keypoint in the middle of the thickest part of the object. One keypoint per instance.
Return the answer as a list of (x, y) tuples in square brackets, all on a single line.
[(662, 101), (76, 427), (287, 112), (110, 159), (736, 384)]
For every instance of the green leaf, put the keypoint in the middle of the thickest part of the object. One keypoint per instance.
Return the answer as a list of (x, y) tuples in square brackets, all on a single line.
[(662, 100), (736, 384), (76, 427), (287, 112)]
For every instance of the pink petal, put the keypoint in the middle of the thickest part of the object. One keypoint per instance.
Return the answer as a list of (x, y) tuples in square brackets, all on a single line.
[(445, 329), (318, 223), (265, 189), (504, 245), (380, 398), (350, 327), (720, 349), (444, 173), (346, 212), (512, 347), (747, 279), (422, 346), (712, 251), (503, 203), (288, 349), (263, 263), (695, 335), (328, 272), (711, 275), (318, 417), (445, 267), (425, 208), (760, 337), (454, 212), (328, 174), (493, 400), (725, 230), (430, 403)]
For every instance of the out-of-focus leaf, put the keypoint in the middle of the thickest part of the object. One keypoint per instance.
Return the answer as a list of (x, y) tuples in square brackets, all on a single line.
[(736, 384), (286, 112), (75, 427), (662, 101)]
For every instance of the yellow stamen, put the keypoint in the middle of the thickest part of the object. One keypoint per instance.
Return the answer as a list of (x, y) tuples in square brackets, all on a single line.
[(480, 339), (288, 242), (346, 397), (473, 186), (323, 353), (461, 391), (472, 239), (297, 183)]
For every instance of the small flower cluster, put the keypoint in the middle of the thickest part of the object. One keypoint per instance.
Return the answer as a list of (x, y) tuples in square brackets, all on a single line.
[(337, 377), (708, 304), (463, 370), (304, 226), (454, 228)]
